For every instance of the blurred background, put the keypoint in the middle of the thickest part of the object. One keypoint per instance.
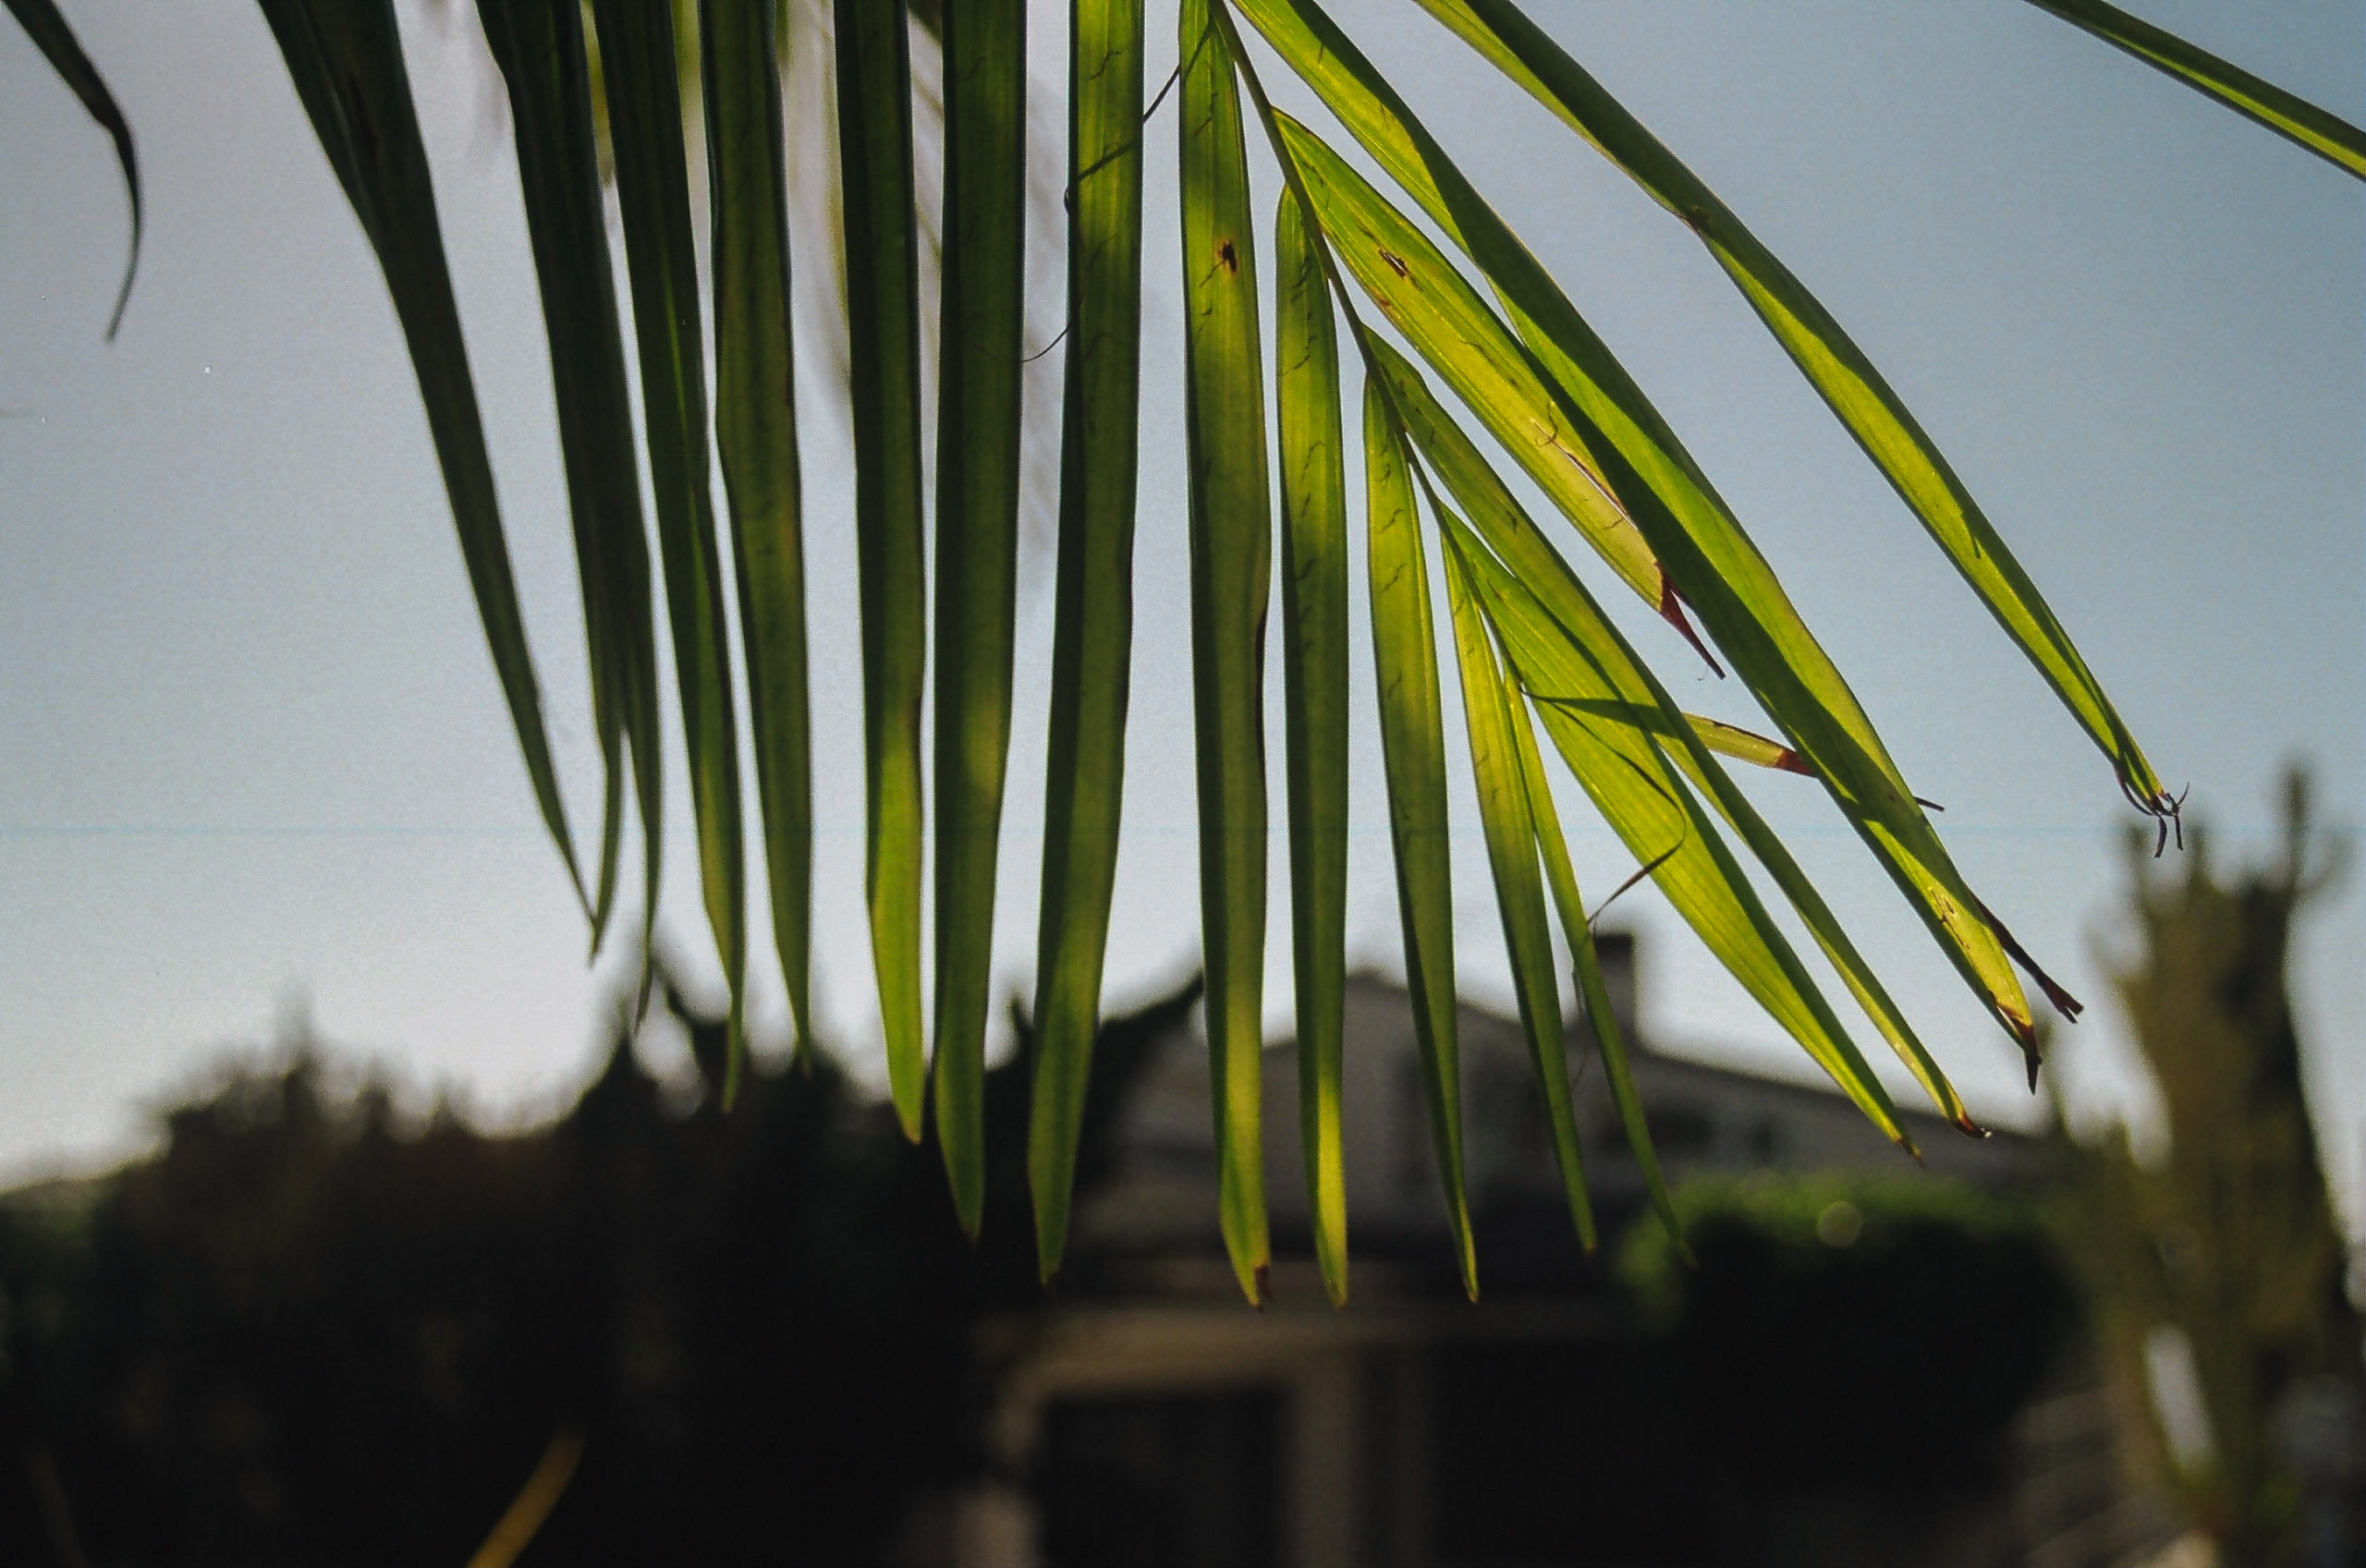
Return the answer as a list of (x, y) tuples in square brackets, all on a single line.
[(317, 1327)]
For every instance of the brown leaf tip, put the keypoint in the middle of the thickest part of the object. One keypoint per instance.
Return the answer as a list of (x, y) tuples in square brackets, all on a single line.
[(1672, 611)]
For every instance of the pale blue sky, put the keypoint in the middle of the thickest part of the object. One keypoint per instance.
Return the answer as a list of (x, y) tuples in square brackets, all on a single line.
[(250, 748)]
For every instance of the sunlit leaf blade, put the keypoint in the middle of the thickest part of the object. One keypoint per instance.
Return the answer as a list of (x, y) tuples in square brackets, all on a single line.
[(644, 95), (977, 530), (63, 51), (345, 61), (1094, 617), (883, 327), (1314, 686), (2328, 136), (1520, 890), (1647, 803), (540, 49), (1231, 526), (1711, 560), (755, 433), (1413, 740), (1601, 1019), (1480, 360), (1641, 702), (1705, 885), (1825, 354)]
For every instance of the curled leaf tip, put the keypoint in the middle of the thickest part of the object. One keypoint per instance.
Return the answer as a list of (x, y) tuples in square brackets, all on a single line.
[(1672, 611), (1969, 1128), (1263, 1276), (1928, 805)]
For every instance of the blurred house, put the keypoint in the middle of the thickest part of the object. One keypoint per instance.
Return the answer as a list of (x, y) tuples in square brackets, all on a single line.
[(1148, 1417)]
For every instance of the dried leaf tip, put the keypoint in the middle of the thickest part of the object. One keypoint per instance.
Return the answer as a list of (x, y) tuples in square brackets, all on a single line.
[(1672, 611)]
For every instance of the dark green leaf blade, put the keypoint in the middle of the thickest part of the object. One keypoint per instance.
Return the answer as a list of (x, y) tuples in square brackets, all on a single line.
[(755, 433), (1520, 890), (1231, 573), (1314, 685), (644, 95), (347, 64), (882, 323), (63, 51), (977, 530), (540, 49), (2302, 123), (1412, 735), (1094, 617)]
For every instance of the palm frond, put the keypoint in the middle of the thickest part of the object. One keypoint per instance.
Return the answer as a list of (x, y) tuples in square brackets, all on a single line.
[(1433, 286)]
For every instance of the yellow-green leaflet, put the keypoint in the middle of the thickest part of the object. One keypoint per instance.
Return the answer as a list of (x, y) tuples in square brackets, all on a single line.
[(540, 51), (882, 324), (755, 431), (1231, 573), (1711, 562), (977, 540), (1314, 687), (58, 46), (1520, 890), (1637, 702), (1647, 803), (2328, 136), (644, 95), (1856, 391), (1093, 614), (1601, 1020), (345, 61), (1412, 739)]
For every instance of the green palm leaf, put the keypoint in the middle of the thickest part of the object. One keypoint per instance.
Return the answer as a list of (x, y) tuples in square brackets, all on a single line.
[(1412, 738), (1646, 801), (1712, 562), (2328, 136), (883, 325), (540, 49), (1825, 353), (63, 51), (1530, 640), (1601, 1019), (977, 530), (1510, 828), (1093, 619), (347, 62), (1231, 571), (755, 434), (1645, 705), (1314, 675), (643, 91)]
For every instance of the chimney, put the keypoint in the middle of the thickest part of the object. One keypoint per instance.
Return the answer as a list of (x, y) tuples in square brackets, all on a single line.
[(1616, 950)]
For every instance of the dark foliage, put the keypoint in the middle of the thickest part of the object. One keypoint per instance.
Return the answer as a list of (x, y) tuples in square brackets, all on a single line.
[(304, 1333)]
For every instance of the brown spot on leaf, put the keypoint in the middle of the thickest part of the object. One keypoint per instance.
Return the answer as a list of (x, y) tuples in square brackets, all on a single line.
[(1395, 263)]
